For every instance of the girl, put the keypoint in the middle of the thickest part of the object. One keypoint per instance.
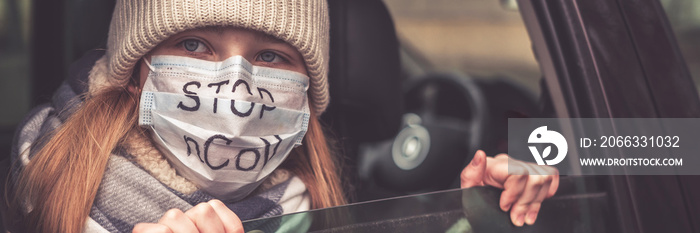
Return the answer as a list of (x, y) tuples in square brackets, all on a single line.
[(195, 102)]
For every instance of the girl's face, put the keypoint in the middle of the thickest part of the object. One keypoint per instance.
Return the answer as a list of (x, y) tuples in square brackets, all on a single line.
[(220, 43)]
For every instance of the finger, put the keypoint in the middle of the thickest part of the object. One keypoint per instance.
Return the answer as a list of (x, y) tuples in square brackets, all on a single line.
[(517, 214), (205, 218), (555, 182), (176, 220), (232, 224), (501, 168), (534, 208), (513, 186), (473, 174), (532, 212), (549, 171), (151, 228), (532, 189)]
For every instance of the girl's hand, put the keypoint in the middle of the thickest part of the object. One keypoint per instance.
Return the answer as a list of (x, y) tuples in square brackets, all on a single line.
[(212, 216), (522, 193)]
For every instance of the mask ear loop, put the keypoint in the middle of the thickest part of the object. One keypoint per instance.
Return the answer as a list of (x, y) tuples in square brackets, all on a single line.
[(135, 81), (137, 84), (150, 67)]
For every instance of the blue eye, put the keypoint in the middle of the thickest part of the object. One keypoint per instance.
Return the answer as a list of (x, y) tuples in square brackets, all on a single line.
[(270, 57), (193, 45)]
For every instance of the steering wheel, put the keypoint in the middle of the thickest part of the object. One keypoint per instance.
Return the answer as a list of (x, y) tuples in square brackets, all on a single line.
[(443, 128)]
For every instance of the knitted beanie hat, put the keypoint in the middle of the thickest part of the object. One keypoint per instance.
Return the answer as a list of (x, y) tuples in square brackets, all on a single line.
[(139, 25)]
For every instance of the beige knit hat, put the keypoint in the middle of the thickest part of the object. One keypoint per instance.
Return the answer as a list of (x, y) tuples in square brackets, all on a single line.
[(139, 25)]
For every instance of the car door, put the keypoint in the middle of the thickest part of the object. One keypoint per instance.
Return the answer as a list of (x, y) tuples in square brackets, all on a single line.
[(619, 59)]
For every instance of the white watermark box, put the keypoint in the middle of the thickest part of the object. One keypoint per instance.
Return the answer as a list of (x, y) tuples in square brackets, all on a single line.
[(601, 146)]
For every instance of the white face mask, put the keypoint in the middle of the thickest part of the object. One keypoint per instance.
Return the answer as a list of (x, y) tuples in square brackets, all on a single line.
[(224, 125)]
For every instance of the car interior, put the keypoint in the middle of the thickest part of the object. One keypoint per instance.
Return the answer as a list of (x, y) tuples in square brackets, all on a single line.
[(407, 111), (381, 110), (377, 102)]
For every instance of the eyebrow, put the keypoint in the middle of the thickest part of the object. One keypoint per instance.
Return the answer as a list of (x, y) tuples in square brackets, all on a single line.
[(258, 36), (214, 29), (268, 38)]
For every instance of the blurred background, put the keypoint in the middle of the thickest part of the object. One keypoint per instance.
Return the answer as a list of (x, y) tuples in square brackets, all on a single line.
[(15, 84), (484, 38)]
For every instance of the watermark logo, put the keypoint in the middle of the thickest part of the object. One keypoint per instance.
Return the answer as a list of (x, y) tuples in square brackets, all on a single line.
[(542, 135)]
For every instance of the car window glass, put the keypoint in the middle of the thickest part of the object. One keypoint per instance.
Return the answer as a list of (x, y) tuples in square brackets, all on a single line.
[(485, 39), (472, 210), (485, 42), (14, 67), (684, 16)]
